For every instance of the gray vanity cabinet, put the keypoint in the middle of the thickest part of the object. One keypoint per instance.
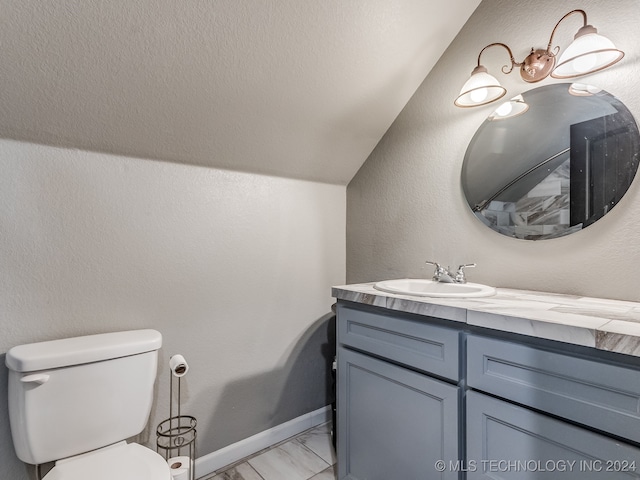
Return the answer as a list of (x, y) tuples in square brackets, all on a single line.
[(417, 395), (395, 421)]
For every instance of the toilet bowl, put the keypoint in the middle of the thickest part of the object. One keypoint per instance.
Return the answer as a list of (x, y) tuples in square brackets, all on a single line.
[(122, 461)]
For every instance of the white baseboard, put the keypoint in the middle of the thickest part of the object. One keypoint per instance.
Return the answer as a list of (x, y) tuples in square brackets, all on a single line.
[(211, 462)]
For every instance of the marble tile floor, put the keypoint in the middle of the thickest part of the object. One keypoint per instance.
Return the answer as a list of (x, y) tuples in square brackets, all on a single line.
[(307, 456)]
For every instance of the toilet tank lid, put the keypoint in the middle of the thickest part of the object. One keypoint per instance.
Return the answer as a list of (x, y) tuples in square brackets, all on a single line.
[(78, 350)]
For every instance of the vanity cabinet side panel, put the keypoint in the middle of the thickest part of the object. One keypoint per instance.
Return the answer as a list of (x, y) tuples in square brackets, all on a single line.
[(393, 423)]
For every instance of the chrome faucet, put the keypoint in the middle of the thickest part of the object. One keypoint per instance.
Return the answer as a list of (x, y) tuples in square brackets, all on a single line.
[(444, 275), (441, 274)]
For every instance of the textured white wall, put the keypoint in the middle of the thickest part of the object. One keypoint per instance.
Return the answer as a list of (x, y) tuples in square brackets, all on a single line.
[(233, 268), (406, 205), (294, 88)]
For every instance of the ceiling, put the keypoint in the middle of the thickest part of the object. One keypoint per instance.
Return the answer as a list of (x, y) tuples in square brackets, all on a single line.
[(295, 88)]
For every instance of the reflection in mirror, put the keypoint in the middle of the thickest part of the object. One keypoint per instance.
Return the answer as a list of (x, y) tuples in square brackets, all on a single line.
[(554, 169)]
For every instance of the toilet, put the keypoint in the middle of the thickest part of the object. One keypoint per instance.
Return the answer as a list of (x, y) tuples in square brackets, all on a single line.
[(75, 401)]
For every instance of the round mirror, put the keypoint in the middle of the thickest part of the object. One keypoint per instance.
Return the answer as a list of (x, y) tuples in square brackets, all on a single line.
[(551, 161)]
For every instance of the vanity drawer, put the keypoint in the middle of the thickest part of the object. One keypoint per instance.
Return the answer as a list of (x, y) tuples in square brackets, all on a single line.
[(600, 395), (414, 343)]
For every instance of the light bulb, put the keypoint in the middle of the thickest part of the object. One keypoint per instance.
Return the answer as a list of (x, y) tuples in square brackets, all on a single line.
[(504, 109), (514, 107), (584, 63), (479, 95)]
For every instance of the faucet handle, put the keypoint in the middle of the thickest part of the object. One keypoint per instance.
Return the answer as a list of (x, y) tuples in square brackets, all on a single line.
[(460, 277), (438, 272)]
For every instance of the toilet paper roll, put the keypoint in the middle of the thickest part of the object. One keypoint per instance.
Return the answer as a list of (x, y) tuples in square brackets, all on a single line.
[(179, 467), (178, 366)]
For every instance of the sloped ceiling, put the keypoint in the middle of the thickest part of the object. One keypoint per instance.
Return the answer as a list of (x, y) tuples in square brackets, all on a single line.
[(294, 88)]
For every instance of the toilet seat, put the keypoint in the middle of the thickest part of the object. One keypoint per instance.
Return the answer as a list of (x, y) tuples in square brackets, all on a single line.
[(121, 461)]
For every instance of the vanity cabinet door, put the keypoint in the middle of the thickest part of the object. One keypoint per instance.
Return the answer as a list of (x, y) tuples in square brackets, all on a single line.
[(393, 423), (506, 441)]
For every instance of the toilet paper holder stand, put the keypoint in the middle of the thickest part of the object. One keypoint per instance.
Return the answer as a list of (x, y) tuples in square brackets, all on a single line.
[(176, 437)]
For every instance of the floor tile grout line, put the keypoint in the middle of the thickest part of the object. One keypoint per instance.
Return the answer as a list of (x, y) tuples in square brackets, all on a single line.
[(311, 450), (290, 460), (257, 473), (266, 449)]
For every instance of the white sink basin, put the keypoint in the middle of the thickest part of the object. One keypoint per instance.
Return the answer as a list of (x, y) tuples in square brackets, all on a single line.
[(422, 287)]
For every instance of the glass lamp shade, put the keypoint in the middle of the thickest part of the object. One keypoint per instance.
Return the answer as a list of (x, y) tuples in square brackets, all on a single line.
[(514, 107), (588, 53), (583, 90), (480, 89)]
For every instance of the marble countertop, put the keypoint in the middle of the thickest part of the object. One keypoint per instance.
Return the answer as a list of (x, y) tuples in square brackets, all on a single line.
[(611, 325)]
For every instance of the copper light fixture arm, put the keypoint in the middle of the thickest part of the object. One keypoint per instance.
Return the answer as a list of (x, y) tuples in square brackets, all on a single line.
[(539, 63), (553, 32), (504, 68)]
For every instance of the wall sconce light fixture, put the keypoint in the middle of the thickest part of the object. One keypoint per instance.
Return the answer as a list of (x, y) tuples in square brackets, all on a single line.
[(588, 53)]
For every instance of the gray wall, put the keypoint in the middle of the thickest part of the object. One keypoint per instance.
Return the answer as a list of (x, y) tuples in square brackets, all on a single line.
[(234, 269), (406, 205)]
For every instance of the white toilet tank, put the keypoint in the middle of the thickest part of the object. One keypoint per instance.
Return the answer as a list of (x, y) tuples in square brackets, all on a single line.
[(74, 395)]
